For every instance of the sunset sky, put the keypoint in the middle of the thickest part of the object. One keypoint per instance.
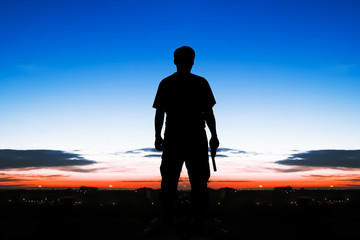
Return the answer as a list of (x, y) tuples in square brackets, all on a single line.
[(78, 79)]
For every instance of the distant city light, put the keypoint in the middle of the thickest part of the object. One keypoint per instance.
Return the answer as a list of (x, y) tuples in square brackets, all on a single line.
[(110, 186), (260, 186), (331, 186), (39, 185)]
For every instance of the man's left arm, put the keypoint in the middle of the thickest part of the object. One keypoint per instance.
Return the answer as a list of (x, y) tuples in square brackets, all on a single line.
[(211, 123)]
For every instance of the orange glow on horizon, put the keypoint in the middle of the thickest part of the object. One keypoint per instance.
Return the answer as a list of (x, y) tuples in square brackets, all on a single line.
[(155, 184)]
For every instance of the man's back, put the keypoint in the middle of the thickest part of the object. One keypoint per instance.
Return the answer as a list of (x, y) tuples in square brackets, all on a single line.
[(184, 98)]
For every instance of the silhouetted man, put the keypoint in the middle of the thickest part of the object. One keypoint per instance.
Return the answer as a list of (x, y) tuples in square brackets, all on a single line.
[(187, 100)]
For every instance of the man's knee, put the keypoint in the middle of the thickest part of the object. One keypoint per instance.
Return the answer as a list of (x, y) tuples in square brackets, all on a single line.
[(168, 191)]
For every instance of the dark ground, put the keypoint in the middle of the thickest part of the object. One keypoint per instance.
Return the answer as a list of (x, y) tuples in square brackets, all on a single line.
[(94, 214)]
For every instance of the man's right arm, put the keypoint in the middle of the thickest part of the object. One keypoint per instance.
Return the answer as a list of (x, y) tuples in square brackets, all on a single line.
[(159, 121)]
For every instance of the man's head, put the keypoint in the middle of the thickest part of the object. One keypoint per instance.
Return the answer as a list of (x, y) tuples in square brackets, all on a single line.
[(184, 58)]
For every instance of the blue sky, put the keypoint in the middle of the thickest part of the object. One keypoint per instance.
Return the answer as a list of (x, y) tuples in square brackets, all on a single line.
[(82, 75)]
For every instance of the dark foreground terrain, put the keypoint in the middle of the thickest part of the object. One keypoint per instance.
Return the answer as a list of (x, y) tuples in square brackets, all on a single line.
[(89, 213)]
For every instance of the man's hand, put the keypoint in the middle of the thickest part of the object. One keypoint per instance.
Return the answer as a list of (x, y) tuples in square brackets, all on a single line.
[(214, 144), (159, 143)]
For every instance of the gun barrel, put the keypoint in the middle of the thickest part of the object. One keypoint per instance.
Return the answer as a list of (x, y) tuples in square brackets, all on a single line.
[(214, 164)]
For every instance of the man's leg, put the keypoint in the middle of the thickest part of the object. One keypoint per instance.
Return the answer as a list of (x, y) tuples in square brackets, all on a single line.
[(170, 172), (199, 174)]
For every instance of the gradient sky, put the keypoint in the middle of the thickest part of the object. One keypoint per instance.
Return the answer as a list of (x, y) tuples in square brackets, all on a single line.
[(80, 77)]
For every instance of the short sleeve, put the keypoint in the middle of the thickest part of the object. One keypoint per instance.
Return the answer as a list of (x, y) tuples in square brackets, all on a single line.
[(159, 102), (209, 99)]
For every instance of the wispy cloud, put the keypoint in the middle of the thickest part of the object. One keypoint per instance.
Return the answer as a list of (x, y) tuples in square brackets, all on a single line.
[(336, 177), (230, 150), (20, 159), (21, 177), (292, 169), (9, 179), (142, 150), (343, 159), (153, 153), (78, 169)]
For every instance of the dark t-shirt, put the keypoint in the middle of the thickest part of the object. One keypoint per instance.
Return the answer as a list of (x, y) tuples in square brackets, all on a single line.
[(184, 98)]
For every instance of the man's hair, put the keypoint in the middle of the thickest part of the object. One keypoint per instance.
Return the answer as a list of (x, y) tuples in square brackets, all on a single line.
[(184, 54)]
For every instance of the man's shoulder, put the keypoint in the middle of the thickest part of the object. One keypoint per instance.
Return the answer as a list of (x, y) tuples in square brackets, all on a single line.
[(166, 80), (171, 79), (199, 80), (197, 77)]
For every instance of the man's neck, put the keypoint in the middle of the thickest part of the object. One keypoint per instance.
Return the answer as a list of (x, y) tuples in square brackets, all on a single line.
[(183, 73)]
